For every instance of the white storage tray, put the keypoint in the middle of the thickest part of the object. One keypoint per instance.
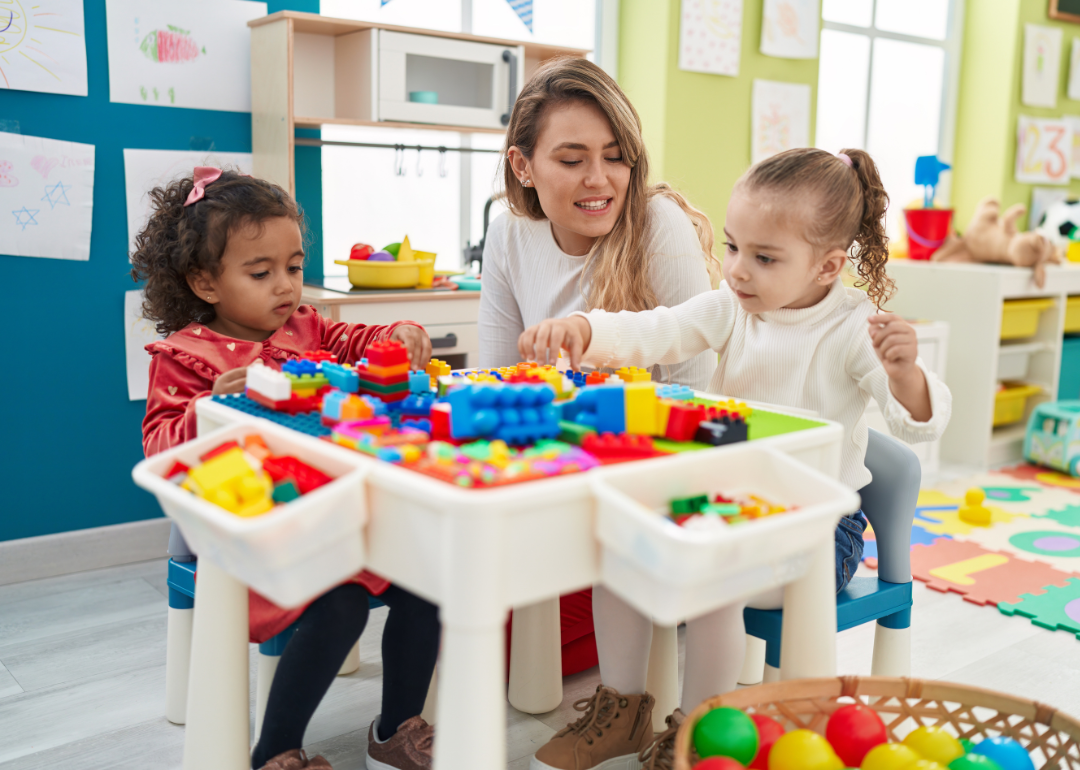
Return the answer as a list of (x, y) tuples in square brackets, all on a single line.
[(672, 573), (291, 554), (1013, 360)]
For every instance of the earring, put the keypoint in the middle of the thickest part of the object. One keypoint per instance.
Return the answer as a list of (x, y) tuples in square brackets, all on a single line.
[(208, 296), (524, 182), (819, 278)]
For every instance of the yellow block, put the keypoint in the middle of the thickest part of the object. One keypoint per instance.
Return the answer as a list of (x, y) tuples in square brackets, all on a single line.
[(958, 572), (219, 471), (633, 374), (663, 412), (641, 408)]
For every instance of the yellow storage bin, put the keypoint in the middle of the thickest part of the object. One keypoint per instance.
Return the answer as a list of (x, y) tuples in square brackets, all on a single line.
[(1009, 403), (1072, 314), (1020, 317)]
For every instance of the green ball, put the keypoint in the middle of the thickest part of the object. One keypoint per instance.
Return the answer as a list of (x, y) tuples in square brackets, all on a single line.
[(974, 762), (967, 745), (392, 248), (726, 732)]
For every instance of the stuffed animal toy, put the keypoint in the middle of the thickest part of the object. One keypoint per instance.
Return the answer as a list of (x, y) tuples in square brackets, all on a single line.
[(991, 237)]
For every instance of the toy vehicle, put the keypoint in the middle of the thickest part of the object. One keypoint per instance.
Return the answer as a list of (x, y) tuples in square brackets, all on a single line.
[(1053, 436)]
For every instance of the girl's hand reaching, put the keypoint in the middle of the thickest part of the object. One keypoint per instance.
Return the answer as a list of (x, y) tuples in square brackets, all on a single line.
[(541, 343), (417, 342), (897, 346), (233, 381)]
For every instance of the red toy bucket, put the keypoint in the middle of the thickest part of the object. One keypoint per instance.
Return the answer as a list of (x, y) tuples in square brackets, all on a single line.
[(926, 230)]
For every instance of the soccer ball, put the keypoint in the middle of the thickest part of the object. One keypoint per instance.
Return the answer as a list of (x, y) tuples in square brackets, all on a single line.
[(1061, 223)]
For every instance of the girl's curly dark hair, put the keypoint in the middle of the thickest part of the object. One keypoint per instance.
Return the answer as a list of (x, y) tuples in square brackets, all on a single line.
[(850, 207), (180, 240)]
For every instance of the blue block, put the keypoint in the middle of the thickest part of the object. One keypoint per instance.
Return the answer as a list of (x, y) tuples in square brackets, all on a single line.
[(578, 378), (517, 414), (677, 392), (309, 423), (300, 367), (419, 382), (418, 404), (602, 408), (342, 378)]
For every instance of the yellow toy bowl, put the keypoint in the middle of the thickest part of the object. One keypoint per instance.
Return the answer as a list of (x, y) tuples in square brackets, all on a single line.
[(382, 275)]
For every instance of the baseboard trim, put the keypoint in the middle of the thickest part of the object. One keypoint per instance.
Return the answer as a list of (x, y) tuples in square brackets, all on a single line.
[(32, 558)]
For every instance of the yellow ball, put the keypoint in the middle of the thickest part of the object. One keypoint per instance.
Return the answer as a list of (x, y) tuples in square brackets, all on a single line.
[(925, 764), (935, 744), (889, 756), (803, 750)]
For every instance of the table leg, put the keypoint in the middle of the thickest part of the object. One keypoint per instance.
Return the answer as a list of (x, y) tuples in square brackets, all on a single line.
[(536, 658), (217, 712), (662, 680), (808, 639)]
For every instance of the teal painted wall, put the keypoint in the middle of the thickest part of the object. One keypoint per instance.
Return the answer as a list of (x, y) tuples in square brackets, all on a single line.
[(68, 434)]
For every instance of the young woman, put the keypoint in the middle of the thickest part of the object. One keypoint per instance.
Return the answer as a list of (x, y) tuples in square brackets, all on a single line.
[(585, 230)]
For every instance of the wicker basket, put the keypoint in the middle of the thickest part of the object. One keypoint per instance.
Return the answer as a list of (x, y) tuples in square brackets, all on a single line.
[(1052, 739)]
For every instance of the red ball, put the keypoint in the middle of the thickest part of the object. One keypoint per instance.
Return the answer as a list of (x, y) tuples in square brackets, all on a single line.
[(768, 731), (854, 730), (360, 251), (718, 763)]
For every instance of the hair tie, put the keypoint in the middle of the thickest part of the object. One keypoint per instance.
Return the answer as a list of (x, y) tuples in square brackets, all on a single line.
[(204, 175), (840, 155)]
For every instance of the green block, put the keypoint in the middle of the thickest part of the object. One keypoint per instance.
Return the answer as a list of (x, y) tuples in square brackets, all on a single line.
[(1058, 608), (375, 387), (722, 509), (285, 492), (689, 504), (573, 433), (305, 381)]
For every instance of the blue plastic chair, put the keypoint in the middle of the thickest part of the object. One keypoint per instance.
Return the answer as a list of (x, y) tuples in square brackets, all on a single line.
[(889, 503)]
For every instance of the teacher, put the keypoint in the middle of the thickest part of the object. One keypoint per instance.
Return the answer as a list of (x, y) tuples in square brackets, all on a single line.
[(585, 230)]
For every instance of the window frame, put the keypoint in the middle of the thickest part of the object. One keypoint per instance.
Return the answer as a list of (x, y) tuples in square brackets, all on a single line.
[(952, 46)]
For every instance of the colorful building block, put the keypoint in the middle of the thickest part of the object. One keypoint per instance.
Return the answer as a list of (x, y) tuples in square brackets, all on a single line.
[(630, 374), (286, 467), (516, 414), (294, 404), (269, 383), (437, 369), (338, 405), (684, 505), (386, 354), (299, 367), (319, 356), (396, 372), (419, 382), (342, 377), (675, 392), (574, 433), (596, 378), (418, 404), (641, 408), (613, 448), (683, 421), (724, 430), (601, 408)]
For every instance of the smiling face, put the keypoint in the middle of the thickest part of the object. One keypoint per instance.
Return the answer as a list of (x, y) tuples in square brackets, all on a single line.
[(258, 283), (769, 263), (578, 171)]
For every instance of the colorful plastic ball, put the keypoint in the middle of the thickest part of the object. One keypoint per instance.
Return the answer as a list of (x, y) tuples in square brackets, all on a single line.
[(360, 251), (381, 256), (853, 730), (934, 743), (718, 763), (803, 750), (925, 764), (769, 731), (392, 248), (1009, 754), (726, 732), (889, 756), (972, 761)]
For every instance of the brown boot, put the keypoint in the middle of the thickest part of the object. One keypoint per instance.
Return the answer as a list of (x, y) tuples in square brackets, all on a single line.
[(296, 760), (660, 754), (609, 735), (408, 749)]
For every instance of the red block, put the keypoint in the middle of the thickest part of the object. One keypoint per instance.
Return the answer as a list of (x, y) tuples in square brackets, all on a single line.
[(365, 374), (220, 449), (386, 397), (281, 467), (616, 447), (683, 421), (318, 356), (295, 404), (440, 423), (176, 469), (387, 353), (596, 378)]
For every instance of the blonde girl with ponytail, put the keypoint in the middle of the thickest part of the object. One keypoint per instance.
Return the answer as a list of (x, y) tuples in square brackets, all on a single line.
[(585, 229)]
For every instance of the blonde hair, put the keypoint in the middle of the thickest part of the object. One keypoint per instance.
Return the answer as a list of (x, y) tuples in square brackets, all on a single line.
[(617, 264), (849, 203)]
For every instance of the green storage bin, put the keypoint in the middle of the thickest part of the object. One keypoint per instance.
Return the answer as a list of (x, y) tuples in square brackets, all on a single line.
[(1069, 381)]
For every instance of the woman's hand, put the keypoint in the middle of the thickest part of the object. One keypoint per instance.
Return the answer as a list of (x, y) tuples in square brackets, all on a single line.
[(417, 342), (233, 381), (897, 346), (541, 343)]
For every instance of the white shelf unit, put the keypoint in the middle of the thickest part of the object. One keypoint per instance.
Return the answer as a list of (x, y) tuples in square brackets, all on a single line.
[(969, 298)]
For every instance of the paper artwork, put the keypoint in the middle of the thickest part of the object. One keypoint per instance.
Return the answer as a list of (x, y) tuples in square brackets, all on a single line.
[(1044, 148), (780, 118), (146, 169), (710, 36), (46, 197), (43, 46), (194, 53), (1074, 156), (1042, 57), (789, 28), (138, 333), (1074, 70)]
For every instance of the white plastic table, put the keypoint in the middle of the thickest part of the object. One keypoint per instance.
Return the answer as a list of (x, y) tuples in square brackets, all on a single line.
[(477, 554)]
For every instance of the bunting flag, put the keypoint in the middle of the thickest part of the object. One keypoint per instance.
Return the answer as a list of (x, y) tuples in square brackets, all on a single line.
[(524, 10)]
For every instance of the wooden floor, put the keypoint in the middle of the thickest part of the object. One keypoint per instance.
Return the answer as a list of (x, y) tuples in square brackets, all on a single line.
[(82, 673)]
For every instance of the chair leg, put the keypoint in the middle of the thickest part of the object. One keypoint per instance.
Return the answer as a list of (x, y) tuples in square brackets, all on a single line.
[(662, 679), (351, 664), (892, 651), (753, 670), (431, 702), (177, 664), (772, 674), (264, 677)]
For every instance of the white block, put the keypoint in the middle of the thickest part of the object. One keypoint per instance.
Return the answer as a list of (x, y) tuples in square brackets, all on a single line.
[(268, 382)]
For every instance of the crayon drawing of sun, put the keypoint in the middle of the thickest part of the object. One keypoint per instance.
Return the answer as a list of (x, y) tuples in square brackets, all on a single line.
[(27, 31)]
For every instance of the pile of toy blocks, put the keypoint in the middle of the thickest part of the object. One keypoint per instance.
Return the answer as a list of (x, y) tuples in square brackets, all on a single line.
[(246, 478), (698, 510)]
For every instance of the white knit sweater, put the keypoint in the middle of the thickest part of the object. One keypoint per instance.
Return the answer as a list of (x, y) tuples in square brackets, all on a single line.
[(528, 278), (819, 358)]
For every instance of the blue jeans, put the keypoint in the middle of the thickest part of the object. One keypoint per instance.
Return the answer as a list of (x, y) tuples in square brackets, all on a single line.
[(849, 548)]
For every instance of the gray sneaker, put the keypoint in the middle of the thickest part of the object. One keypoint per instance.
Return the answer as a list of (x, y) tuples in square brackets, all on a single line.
[(407, 749)]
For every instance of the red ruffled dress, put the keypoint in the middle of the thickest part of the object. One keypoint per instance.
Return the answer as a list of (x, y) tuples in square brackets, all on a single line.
[(183, 369)]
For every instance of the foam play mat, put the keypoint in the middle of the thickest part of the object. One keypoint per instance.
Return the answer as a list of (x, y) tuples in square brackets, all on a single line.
[(1025, 560)]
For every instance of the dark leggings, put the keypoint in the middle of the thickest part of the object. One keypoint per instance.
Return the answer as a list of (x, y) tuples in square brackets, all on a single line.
[(325, 633)]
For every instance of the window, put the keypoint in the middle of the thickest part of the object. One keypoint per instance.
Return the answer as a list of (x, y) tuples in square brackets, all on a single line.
[(887, 82), (439, 199)]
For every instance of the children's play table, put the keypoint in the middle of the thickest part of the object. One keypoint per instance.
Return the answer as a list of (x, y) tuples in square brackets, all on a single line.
[(477, 554)]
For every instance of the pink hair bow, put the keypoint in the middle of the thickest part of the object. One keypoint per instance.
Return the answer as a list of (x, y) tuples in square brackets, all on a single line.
[(204, 175)]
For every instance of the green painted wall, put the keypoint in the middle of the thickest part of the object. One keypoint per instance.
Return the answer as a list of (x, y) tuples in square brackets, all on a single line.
[(989, 103), (697, 126)]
